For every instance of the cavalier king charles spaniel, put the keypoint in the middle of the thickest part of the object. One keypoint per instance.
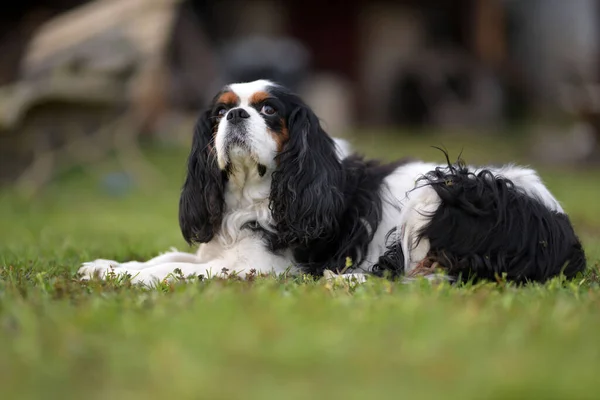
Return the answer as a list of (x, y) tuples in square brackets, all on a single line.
[(268, 190)]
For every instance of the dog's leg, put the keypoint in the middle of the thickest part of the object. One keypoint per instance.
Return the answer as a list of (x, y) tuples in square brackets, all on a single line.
[(151, 274), (171, 271), (169, 257), (419, 206), (248, 255)]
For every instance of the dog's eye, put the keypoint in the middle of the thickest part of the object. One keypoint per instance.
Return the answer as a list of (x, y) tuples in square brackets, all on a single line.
[(267, 110), (221, 111)]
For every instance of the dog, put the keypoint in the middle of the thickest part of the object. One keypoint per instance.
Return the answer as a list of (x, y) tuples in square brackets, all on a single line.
[(269, 191)]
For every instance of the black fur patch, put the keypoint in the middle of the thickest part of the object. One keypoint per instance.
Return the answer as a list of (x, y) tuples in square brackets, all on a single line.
[(391, 263), (262, 170)]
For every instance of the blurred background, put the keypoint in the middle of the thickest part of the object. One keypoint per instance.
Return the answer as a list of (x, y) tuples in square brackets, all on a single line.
[(83, 82), (97, 105)]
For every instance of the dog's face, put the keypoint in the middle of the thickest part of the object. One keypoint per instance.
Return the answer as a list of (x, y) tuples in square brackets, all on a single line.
[(272, 135), (250, 125)]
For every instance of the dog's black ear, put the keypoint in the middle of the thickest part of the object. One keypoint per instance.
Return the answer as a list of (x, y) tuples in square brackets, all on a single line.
[(307, 187), (201, 202)]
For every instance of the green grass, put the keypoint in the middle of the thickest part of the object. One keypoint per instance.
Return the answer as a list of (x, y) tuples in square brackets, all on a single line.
[(284, 338)]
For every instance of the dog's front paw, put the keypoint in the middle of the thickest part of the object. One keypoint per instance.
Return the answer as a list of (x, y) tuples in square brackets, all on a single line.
[(101, 268)]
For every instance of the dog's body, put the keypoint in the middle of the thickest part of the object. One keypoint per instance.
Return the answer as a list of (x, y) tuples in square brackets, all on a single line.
[(268, 190)]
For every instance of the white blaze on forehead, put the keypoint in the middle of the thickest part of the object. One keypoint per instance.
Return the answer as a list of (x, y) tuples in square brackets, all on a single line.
[(245, 90)]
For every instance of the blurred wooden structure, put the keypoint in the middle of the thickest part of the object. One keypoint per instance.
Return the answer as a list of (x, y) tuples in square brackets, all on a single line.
[(91, 82), (467, 63)]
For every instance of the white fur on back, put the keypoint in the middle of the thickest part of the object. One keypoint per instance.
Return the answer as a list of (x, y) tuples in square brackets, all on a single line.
[(529, 181)]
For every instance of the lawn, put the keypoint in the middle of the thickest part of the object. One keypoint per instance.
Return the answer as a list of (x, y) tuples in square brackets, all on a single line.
[(277, 338)]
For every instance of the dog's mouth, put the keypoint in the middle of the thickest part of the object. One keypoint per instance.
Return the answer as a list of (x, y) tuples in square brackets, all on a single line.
[(237, 154), (240, 156), (230, 168), (238, 148)]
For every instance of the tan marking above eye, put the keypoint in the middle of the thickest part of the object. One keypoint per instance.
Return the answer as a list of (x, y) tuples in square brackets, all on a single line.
[(229, 98), (259, 97), (281, 137)]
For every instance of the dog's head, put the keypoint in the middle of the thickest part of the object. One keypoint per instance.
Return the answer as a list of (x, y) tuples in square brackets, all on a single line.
[(263, 132)]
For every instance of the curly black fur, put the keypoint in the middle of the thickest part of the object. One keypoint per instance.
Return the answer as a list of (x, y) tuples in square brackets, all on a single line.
[(201, 202), (360, 217), (486, 227), (306, 191)]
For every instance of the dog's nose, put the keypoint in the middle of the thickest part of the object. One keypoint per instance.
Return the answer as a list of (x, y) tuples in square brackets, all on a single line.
[(236, 115)]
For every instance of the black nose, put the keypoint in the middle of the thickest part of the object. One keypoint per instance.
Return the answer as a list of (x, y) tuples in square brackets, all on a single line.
[(236, 115)]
